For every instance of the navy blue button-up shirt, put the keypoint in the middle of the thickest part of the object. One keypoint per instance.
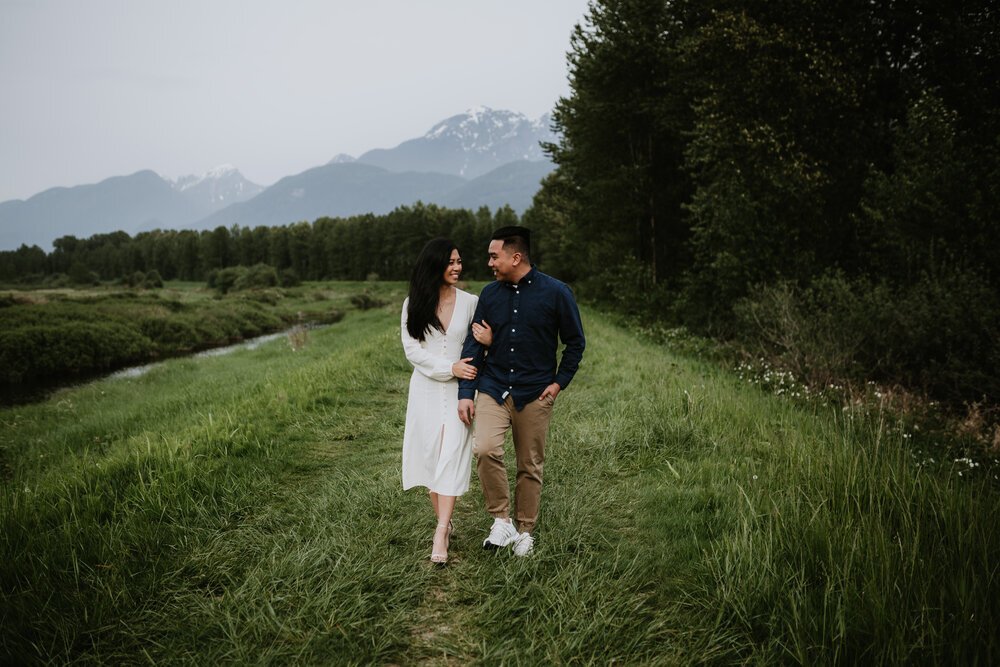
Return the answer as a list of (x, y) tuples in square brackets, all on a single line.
[(528, 321)]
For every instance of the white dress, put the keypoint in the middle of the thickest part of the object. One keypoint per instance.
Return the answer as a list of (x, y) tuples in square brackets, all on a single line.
[(437, 446)]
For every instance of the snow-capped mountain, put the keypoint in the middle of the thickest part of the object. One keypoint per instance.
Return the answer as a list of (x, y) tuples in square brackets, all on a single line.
[(469, 144), (485, 131), (483, 157), (216, 188), (345, 189)]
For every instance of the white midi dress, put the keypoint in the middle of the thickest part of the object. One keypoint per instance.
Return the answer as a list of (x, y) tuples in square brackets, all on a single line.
[(437, 446)]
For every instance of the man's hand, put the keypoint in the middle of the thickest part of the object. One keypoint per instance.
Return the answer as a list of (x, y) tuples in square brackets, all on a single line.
[(552, 390), (466, 410)]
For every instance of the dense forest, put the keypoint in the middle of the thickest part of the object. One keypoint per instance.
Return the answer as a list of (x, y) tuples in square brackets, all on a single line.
[(357, 248), (818, 181)]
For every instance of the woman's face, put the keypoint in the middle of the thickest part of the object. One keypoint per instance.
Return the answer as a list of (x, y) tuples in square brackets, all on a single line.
[(454, 270)]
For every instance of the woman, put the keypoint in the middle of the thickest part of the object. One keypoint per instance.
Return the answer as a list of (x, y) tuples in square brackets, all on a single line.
[(437, 448)]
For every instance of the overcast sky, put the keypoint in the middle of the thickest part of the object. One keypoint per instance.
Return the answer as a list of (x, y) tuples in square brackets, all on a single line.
[(99, 88)]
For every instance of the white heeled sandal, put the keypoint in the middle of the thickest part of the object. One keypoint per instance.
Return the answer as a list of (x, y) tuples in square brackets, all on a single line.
[(442, 558)]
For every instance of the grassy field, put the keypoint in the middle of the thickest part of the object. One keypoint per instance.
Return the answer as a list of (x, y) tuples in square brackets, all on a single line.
[(247, 509)]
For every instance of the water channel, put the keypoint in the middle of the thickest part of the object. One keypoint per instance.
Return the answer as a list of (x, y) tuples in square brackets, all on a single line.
[(34, 392)]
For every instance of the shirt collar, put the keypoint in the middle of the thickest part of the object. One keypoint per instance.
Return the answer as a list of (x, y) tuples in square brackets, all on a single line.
[(528, 278)]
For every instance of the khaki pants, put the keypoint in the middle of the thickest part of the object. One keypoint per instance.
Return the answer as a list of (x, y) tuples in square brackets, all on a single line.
[(529, 426)]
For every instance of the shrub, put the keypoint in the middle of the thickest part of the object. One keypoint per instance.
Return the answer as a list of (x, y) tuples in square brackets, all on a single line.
[(136, 279), (270, 297), (289, 278), (225, 280), (71, 336), (32, 279), (816, 332), (942, 337), (365, 301), (169, 334), (152, 279), (79, 274), (629, 289), (258, 275), (57, 280), (937, 335), (41, 351), (243, 278)]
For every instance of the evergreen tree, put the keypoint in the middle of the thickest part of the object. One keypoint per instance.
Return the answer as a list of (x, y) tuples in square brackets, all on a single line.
[(622, 141)]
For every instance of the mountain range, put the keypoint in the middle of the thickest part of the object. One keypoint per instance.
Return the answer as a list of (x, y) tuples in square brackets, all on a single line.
[(483, 157)]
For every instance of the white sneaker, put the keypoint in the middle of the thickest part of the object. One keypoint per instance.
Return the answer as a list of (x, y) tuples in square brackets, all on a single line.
[(501, 534), (524, 544)]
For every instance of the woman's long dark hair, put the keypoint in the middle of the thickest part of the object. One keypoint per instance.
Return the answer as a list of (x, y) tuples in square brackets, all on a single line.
[(425, 287)]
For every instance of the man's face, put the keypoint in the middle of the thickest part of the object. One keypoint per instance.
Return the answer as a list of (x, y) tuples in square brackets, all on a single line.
[(501, 261)]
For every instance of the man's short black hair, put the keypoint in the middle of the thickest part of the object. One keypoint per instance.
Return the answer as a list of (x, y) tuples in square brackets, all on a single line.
[(516, 238)]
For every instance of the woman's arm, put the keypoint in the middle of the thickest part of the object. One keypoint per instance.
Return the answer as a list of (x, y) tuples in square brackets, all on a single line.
[(433, 366)]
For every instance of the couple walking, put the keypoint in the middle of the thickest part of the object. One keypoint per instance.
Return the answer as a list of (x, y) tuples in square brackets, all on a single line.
[(482, 366)]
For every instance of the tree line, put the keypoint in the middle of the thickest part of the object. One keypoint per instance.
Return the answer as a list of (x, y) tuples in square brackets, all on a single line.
[(819, 180), (354, 248)]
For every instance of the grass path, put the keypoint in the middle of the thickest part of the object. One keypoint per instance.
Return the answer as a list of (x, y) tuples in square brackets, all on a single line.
[(248, 510)]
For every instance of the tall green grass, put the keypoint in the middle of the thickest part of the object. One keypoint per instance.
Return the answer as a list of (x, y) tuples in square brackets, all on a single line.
[(248, 509)]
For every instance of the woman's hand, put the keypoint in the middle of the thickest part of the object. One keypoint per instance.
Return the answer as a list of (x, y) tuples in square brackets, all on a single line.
[(463, 370), (482, 333)]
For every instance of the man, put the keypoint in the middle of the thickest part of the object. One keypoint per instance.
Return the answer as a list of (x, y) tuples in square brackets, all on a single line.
[(518, 381)]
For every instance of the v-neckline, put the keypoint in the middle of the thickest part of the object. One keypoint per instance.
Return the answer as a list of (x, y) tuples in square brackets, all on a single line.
[(452, 318)]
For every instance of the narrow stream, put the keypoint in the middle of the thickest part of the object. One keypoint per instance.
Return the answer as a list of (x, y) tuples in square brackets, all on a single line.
[(247, 344), (34, 392)]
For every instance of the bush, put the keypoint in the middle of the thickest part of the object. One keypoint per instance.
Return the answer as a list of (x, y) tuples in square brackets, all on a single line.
[(152, 279), (135, 279), (42, 351), (66, 337), (32, 279), (79, 274), (169, 334), (56, 280), (630, 290), (937, 335), (289, 278), (243, 278), (942, 337), (224, 280), (258, 275), (817, 333), (365, 301), (217, 327), (270, 297)]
